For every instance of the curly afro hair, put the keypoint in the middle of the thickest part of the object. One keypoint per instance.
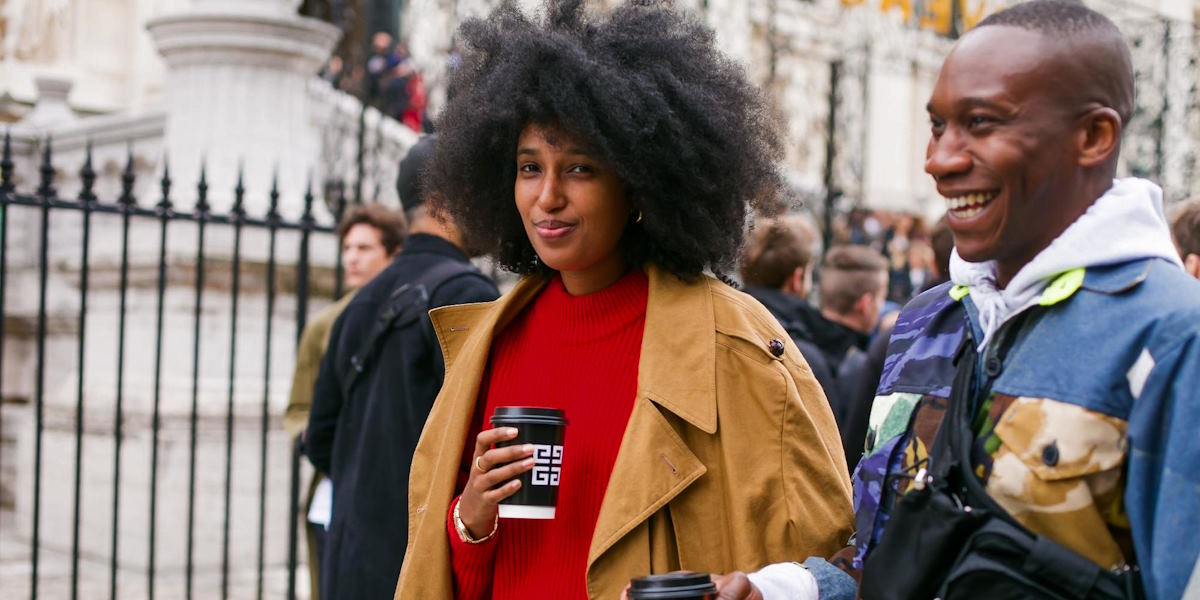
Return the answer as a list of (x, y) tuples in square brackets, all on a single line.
[(693, 141)]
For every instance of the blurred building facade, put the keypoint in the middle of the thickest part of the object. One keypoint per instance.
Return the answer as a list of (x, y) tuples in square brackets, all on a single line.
[(887, 54)]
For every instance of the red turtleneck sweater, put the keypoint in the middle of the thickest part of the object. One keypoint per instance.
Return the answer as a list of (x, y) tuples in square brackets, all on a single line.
[(579, 354)]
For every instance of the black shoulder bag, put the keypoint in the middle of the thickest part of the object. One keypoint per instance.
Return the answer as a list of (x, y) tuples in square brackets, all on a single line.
[(407, 303), (946, 538)]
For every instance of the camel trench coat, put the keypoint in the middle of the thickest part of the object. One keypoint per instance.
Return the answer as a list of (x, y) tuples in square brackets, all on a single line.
[(731, 459)]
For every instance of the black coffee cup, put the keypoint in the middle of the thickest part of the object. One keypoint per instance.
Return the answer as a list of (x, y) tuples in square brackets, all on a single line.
[(683, 585), (545, 429)]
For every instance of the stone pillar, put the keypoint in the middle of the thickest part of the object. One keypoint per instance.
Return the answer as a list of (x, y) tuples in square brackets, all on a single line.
[(51, 109), (236, 91)]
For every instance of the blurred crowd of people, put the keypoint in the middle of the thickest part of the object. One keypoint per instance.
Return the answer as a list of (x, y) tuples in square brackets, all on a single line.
[(388, 80), (905, 240)]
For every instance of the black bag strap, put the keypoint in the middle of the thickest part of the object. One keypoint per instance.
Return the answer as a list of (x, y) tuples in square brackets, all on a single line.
[(1078, 574), (415, 293), (961, 412), (943, 457)]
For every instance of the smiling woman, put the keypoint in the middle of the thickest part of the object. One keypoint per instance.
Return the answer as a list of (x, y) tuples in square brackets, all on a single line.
[(613, 160), (646, 94), (574, 209)]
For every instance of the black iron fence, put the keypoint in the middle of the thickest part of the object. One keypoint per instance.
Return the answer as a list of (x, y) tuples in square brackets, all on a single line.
[(125, 215)]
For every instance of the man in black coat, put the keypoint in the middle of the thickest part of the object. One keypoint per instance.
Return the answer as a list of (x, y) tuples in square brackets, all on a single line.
[(377, 383), (868, 368), (853, 289)]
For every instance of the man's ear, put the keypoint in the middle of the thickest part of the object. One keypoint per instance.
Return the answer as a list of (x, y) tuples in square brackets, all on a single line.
[(863, 306), (796, 283), (1191, 264), (1099, 136)]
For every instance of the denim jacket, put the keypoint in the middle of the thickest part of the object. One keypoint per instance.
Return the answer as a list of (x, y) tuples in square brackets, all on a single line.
[(1090, 434)]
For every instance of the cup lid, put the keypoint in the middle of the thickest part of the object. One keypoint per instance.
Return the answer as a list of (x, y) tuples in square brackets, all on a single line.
[(672, 585), (506, 415)]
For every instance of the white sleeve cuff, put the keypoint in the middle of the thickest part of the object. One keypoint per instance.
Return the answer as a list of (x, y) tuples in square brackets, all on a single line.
[(785, 581)]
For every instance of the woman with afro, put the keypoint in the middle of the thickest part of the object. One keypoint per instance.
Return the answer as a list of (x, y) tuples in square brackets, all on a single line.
[(613, 161)]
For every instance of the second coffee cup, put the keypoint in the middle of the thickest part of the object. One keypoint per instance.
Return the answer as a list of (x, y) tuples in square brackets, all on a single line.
[(683, 585), (545, 428)]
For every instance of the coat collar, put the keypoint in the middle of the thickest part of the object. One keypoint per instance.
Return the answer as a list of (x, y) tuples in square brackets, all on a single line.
[(1118, 278), (676, 369), (426, 243), (678, 344)]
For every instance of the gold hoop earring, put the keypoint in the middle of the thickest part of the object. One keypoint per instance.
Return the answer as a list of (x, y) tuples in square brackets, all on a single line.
[(639, 217)]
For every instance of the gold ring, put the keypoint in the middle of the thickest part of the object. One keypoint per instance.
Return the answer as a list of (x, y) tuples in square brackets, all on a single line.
[(479, 465)]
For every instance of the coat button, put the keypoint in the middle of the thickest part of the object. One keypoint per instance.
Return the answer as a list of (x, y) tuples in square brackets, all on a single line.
[(1050, 454), (776, 347)]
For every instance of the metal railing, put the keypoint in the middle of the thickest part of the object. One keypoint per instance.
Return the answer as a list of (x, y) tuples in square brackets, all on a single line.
[(45, 201)]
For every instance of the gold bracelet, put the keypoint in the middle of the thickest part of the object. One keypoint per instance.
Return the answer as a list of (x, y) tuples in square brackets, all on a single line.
[(465, 535)]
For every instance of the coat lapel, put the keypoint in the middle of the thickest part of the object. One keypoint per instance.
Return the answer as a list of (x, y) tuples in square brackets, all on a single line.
[(677, 368), (465, 333), (676, 371), (461, 329)]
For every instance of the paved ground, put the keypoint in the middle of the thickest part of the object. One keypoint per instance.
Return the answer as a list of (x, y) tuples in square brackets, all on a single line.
[(54, 578)]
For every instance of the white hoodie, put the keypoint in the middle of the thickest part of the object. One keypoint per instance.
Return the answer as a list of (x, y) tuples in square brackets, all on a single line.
[(1126, 223)]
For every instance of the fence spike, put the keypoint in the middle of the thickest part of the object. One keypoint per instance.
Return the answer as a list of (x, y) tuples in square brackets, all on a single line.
[(6, 163), (341, 202), (46, 187), (88, 176), (308, 199), (165, 185), (239, 192), (202, 206), (273, 207), (127, 180)]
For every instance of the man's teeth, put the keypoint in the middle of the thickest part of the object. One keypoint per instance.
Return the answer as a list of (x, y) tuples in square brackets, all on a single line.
[(968, 205)]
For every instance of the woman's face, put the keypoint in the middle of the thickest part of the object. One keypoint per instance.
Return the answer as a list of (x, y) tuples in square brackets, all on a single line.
[(574, 208)]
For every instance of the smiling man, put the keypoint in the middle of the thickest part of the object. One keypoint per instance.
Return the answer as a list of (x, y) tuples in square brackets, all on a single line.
[(1034, 432)]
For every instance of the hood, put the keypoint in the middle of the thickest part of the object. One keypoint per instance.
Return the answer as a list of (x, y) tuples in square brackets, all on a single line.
[(833, 338), (1126, 223), (784, 307)]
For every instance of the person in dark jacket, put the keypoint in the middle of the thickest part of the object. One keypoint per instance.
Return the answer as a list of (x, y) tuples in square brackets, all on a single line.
[(371, 236), (856, 413), (853, 289), (375, 389), (854, 282), (776, 269)]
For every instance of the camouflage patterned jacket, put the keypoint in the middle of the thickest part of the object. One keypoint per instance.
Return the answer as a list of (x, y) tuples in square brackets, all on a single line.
[(1089, 435)]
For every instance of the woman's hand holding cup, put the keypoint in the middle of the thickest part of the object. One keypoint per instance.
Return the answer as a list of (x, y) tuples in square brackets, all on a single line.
[(493, 478)]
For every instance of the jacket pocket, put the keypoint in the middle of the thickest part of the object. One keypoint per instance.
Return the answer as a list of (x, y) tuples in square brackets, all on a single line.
[(1058, 470), (1057, 440)]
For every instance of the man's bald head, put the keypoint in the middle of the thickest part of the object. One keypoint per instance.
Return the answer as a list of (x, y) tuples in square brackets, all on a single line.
[(1026, 120), (1094, 62)]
